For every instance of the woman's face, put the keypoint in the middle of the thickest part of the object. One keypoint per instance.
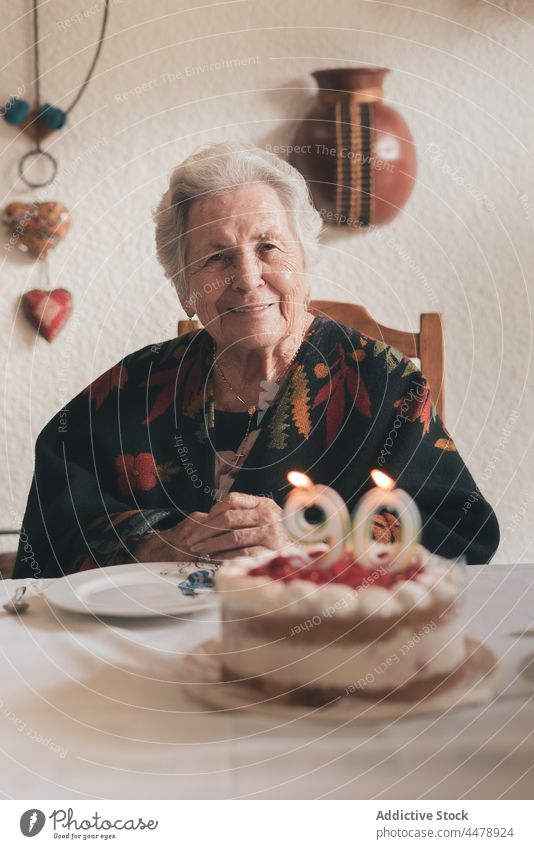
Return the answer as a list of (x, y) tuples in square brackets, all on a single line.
[(244, 268)]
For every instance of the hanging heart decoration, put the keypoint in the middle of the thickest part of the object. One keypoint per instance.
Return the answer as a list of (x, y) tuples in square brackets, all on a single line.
[(47, 310), (37, 227)]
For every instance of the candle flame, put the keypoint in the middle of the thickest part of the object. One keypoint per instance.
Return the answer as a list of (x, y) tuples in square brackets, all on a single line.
[(382, 480), (299, 479)]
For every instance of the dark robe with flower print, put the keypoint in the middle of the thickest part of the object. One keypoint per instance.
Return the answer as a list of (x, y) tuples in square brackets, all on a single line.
[(130, 454)]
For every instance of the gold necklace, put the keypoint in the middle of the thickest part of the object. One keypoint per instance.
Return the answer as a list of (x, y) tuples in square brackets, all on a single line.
[(251, 408)]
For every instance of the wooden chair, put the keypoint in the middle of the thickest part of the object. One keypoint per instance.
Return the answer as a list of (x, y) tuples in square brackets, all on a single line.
[(427, 344), (7, 563)]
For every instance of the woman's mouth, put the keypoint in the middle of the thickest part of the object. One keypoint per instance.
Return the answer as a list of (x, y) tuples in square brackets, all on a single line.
[(254, 308)]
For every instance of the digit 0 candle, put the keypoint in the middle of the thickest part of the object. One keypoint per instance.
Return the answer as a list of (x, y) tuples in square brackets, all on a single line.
[(384, 496)]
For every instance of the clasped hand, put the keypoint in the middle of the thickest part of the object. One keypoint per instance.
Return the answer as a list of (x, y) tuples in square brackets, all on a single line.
[(239, 525)]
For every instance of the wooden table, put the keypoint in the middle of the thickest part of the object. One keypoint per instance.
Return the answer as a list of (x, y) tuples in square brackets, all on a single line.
[(94, 709)]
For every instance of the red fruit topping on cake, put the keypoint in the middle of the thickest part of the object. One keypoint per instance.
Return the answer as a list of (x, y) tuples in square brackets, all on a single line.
[(345, 571)]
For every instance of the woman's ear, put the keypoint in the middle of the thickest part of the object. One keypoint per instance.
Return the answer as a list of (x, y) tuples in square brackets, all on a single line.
[(187, 302)]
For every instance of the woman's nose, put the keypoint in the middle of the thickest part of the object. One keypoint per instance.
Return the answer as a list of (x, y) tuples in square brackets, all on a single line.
[(247, 270)]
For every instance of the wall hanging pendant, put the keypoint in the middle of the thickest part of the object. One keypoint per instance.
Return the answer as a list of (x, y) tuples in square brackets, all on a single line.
[(356, 153), (37, 227), (42, 119), (47, 310)]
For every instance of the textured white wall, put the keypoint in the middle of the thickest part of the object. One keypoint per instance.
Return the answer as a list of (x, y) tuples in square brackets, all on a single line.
[(461, 75)]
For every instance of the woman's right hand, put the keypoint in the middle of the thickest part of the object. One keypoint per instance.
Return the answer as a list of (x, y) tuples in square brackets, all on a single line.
[(171, 544)]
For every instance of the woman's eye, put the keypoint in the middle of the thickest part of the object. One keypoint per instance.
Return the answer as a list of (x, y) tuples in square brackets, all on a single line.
[(268, 246), (216, 257)]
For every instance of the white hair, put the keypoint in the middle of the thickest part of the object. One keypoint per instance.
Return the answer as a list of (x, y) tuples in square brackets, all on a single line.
[(214, 170)]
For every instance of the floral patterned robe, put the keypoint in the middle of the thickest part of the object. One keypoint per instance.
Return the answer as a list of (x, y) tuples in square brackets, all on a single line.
[(130, 453)]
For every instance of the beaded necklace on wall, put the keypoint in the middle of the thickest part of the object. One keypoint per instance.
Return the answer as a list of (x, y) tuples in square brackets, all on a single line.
[(37, 227), (40, 120)]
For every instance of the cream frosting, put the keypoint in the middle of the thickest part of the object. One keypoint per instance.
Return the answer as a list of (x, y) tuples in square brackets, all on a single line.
[(249, 595)]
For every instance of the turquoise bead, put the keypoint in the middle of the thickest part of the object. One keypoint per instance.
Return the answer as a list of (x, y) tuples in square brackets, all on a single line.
[(53, 117), (16, 111)]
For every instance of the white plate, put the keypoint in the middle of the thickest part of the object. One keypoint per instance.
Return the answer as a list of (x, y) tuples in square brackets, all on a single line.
[(201, 671), (130, 589)]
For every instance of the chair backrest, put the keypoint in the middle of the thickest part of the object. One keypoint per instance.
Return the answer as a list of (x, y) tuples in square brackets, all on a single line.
[(7, 563), (427, 344)]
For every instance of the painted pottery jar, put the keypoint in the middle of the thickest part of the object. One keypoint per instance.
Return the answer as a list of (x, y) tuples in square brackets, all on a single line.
[(356, 152)]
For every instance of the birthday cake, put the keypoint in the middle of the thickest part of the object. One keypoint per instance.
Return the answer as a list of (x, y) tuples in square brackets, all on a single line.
[(301, 631)]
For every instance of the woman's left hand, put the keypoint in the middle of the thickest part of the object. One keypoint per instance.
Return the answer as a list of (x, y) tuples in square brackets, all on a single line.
[(240, 525)]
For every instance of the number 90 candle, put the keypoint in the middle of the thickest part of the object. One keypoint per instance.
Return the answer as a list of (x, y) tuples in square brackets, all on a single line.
[(334, 524)]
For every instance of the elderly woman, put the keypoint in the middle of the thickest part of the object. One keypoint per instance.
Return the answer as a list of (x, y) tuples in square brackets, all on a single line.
[(181, 450)]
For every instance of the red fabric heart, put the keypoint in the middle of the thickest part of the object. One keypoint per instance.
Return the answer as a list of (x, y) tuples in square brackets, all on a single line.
[(47, 310)]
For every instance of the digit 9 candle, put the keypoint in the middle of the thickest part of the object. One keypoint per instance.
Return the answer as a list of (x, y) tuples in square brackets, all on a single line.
[(334, 526)]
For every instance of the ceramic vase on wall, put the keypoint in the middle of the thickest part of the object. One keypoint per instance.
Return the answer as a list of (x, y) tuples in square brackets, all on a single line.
[(356, 153)]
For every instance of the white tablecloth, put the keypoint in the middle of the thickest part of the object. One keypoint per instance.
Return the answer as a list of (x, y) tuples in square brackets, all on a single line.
[(94, 709)]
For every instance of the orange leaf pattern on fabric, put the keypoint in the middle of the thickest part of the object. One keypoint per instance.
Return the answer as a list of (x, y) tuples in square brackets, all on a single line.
[(84, 563), (193, 389), (409, 367), (445, 444), (167, 379), (336, 407), (418, 406), (280, 422), (393, 357), (320, 370), (300, 401), (171, 380), (167, 470), (100, 388), (121, 517), (345, 380), (357, 389)]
